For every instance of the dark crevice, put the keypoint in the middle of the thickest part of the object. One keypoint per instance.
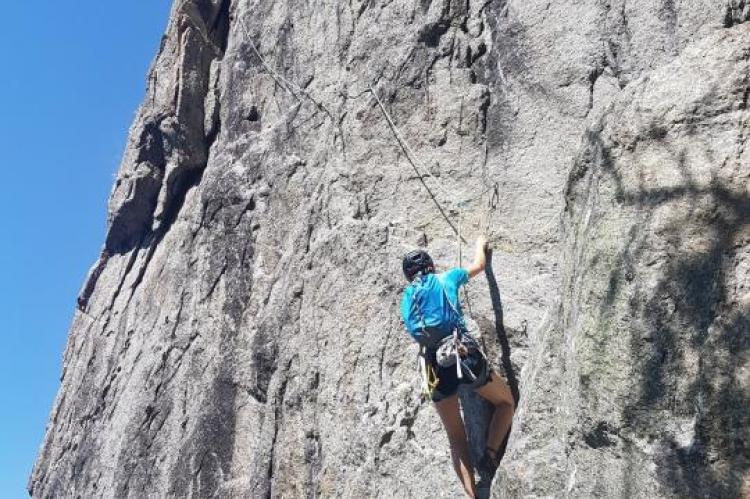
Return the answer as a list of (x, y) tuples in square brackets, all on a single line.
[(736, 13), (599, 436), (216, 20), (215, 283), (386, 438), (472, 56), (593, 76), (213, 134), (431, 33), (264, 357), (313, 461), (182, 185), (276, 425), (220, 27), (252, 114), (408, 423), (502, 337), (151, 146), (132, 220)]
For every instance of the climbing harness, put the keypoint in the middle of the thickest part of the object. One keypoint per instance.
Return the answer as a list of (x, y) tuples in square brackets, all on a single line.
[(453, 351), (462, 340)]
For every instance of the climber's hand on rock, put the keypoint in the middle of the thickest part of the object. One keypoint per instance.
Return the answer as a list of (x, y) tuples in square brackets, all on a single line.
[(482, 244), (480, 259)]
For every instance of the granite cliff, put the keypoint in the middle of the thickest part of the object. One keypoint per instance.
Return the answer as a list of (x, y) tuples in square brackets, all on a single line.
[(239, 335)]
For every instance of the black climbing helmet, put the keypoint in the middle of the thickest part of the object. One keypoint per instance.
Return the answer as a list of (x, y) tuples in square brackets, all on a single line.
[(417, 261)]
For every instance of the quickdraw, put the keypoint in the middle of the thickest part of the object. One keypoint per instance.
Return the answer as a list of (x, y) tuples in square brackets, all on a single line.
[(430, 379)]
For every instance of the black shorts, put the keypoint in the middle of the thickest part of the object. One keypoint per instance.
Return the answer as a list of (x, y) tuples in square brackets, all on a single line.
[(448, 381)]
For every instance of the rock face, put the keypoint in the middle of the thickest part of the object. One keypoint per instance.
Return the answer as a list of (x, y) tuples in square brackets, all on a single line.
[(239, 335), (649, 355)]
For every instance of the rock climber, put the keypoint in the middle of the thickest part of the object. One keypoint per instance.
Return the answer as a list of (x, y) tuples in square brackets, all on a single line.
[(432, 314)]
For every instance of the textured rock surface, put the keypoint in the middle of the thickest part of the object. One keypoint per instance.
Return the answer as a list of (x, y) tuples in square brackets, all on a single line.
[(239, 334), (649, 358)]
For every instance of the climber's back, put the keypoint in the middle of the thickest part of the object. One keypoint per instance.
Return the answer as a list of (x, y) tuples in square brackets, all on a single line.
[(430, 306)]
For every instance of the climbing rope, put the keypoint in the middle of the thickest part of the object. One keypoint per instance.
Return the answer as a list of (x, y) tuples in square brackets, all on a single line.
[(298, 93), (428, 382), (458, 239), (429, 378), (460, 161), (292, 88), (289, 86), (410, 156)]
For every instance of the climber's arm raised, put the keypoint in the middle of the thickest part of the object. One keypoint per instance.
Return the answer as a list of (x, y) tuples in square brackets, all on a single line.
[(480, 257)]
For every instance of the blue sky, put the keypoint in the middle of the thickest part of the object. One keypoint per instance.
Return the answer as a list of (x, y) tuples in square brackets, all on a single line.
[(73, 74)]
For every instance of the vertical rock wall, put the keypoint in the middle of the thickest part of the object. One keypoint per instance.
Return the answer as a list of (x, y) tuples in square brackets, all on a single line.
[(239, 335), (648, 360)]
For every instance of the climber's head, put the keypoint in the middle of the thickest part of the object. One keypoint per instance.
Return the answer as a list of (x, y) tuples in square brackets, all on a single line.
[(415, 262)]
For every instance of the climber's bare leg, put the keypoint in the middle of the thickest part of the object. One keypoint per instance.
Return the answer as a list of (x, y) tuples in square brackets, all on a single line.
[(451, 416), (497, 392)]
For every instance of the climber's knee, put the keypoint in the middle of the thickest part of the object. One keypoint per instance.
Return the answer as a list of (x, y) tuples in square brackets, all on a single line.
[(496, 391), (505, 406)]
